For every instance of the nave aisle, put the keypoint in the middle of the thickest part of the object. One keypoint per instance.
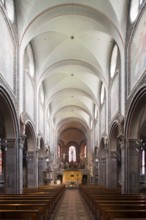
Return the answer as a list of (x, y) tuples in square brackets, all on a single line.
[(72, 207)]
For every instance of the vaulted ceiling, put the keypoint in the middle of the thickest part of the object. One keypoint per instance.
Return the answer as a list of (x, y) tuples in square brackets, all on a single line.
[(72, 42)]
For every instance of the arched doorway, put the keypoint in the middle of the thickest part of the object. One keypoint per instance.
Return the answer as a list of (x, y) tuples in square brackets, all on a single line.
[(9, 146), (84, 179), (59, 178), (135, 134)]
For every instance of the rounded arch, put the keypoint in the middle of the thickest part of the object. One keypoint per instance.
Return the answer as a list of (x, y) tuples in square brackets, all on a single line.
[(30, 136), (9, 134), (113, 136), (63, 9), (102, 148), (136, 114), (135, 127), (72, 151), (42, 150), (8, 119), (72, 143)]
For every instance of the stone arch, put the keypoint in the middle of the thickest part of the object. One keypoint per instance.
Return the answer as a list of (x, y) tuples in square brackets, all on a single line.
[(29, 163), (136, 114), (135, 134), (73, 143), (30, 136), (42, 149), (82, 151), (114, 160), (8, 115), (102, 148), (113, 136), (9, 136)]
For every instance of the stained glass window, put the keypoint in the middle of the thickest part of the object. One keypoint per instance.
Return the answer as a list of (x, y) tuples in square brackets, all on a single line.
[(72, 154), (113, 61)]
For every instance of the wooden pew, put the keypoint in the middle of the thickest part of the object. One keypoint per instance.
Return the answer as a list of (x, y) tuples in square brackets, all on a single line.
[(20, 214), (102, 209), (30, 203), (112, 214), (103, 203), (42, 208), (38, 204)]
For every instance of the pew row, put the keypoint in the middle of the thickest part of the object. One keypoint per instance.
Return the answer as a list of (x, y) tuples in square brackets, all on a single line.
[(34, 205), (107, 204)]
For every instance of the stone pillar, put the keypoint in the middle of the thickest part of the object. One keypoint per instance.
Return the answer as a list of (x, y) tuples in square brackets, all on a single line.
[(32, 169), (41, 168), (21, 142), (12, 182), (96, 171), (122, 145), (113, 170), (123, 157), (133, 166), (102, 171), (107, 162)]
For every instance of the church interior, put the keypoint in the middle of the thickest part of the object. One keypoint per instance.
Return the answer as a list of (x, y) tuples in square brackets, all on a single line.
[(73, 97)]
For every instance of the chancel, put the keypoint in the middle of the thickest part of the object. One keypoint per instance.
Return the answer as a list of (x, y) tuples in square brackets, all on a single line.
[(72, 109)]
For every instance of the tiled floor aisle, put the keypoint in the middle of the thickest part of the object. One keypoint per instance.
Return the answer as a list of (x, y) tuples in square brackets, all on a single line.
[(72, 207)]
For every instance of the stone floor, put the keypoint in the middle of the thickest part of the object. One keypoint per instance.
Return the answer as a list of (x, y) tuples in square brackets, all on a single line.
[(72, 207)]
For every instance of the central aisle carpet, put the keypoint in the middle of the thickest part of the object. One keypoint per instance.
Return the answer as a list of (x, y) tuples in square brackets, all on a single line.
[(72, 207)]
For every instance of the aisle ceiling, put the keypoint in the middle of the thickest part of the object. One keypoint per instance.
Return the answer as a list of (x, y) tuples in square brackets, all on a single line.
[(72, 42)]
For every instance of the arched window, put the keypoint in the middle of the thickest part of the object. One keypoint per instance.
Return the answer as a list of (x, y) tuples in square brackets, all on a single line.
[(102, 94), (30, 60), (72, 154), (1, 162), (59, 152), (143, 162), (134, 9), (42, 94), (141, 1), (113, 63), (85, 151), (9, 4), (3, 2)]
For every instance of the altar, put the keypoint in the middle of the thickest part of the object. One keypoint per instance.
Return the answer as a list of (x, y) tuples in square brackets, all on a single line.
[(72, 177)]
